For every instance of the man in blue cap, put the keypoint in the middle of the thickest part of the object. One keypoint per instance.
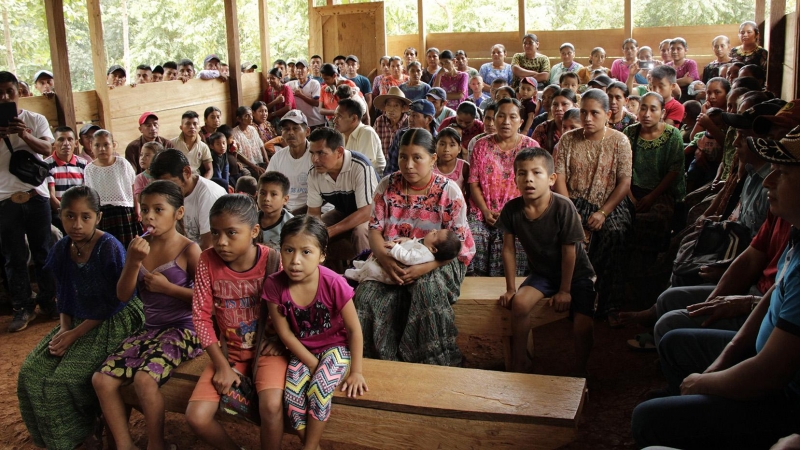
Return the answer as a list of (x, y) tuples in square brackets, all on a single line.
[(438, 97)]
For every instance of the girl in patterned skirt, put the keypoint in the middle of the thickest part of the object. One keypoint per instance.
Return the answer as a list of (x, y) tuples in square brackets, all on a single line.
[(161, 267), (56, 399), (113, 179), (313, 312)]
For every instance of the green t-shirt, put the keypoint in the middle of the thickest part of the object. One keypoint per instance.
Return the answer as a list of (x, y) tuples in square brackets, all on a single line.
[(652, 160)]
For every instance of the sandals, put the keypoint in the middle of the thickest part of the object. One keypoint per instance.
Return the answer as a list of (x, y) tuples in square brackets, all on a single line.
[(642, 342)]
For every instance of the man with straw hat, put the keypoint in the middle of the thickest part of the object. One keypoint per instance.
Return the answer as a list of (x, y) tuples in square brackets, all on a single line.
[(394, 106)]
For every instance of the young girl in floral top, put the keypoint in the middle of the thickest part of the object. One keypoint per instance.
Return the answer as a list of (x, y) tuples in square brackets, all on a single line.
[(448, 147)]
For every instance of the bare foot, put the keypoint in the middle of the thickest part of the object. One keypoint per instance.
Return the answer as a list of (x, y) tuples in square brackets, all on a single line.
[(637, 317)]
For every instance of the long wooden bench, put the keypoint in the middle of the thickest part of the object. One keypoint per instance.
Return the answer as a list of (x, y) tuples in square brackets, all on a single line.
[(423, 406), (478, 311)]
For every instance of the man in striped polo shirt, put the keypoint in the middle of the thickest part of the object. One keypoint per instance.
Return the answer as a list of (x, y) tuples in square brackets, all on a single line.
[(66, 169)]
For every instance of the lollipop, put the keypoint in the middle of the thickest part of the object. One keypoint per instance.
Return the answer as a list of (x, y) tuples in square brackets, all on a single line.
[(150, 229)]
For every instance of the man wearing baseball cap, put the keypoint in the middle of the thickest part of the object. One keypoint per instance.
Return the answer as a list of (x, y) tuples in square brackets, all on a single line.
[(211, 69), (148, 126), (294, 161), (306, 94), (740, 390), (43, 81), (85, 138), (362, 82), (420, 115), (438, 97), (116, 76)]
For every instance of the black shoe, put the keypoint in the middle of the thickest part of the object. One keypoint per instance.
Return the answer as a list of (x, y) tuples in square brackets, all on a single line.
[(21, 319)]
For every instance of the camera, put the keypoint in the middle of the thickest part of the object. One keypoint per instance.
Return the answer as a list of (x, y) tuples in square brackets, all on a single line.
[(646, 65)]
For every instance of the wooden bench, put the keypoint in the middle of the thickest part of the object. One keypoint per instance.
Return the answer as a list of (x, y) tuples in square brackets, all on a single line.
[(423, 406), (478, 311)]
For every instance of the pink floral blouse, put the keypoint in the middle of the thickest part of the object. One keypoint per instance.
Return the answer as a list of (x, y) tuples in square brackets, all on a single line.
[(396, 214), (493, 170)]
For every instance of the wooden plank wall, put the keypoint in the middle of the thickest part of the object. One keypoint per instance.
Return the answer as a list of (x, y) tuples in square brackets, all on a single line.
[(354, 29), (478, 45), (791, 73), (85, 107)]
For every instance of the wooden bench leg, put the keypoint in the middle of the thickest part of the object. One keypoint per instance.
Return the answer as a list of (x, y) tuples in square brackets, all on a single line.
[(507, 352)]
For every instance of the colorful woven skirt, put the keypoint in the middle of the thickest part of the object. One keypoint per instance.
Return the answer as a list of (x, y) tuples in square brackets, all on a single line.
[(488, 259), (121, 222), (56, 398)]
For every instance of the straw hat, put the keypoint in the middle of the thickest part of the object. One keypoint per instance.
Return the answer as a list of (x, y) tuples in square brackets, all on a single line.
[(394, 92)]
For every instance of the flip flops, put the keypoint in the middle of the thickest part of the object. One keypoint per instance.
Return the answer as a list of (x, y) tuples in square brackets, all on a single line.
[(642, 342)]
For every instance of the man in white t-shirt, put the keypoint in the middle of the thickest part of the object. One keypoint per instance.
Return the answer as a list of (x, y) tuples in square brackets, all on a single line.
[(346, 180), (24, 211), (191, 144), (294, 160), (359, 137), (199, 194), (306, 94)]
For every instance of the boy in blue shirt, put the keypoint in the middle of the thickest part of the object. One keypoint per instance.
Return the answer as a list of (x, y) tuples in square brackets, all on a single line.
[(549, 228)]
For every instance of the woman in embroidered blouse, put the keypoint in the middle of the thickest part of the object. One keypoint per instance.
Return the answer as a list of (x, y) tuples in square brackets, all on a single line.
[(260, 121), (594, 171), (530, 63), (491, 185), (413, 321), (251, 151), (498, 68), (453, 82), (548, 133), (658, 180), (617, 99), (749, 52)]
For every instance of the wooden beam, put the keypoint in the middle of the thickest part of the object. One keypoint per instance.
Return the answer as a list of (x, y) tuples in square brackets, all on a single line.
[(263, 22), (761, 16), (628, 19), (99, 62), (797, 53), (522, 18), (315, 46), (56, 30), (234, 57), (777, 38), (422, 30)]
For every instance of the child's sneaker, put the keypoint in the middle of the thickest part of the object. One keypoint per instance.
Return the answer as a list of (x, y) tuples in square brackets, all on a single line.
[(21, 319)]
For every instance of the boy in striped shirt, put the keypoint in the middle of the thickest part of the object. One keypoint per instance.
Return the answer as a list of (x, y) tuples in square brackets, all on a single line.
[(66, 169)]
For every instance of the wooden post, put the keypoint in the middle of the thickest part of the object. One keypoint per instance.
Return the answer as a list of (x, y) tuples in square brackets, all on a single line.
[(761, 15), (422, 32), (628, 19), (234, 58), (99, 62), (797, 52), (777, 38), (263, 22), (523, 26), (56, 30)]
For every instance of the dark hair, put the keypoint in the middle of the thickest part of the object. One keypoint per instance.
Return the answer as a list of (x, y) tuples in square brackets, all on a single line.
[(158, 69), (64, 129), (171, 191), (248, 185), (257, 104), (273, 177), (468, 108), (210, 110), (144, 67), (155, 146), (186, 62), (598, 96), (756, 97), (226, 130), (629, 41), (413, 64), (86, 193), (679, 40), (572, 114), (413, 50), (8, 77), (328, 69), (635, 98), (351, 107), (242, 110), (757, 71), (419, 137), (567, 93), (449, 247), (170, 65), (451, 133), (726, 85), (338, 57), (333, 139), (240, 206), (618, 85), (664, 72), (189, 115), (446, 54), (307, 224), (490, 106), (214, 137), (512, 101), (499, 81), (656, 95), (507, 89), (737, 64), (568, 75), (691, 108), (169, 162), (276, 72), (747, 82), (530, 153), (280, 62), (530, 35), (315, 56)]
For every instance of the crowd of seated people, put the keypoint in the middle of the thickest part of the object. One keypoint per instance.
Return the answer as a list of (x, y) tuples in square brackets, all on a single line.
[(614, 168)]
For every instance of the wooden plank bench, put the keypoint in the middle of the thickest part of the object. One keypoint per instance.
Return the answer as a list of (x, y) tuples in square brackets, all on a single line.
[(478, 311), (423, 406)]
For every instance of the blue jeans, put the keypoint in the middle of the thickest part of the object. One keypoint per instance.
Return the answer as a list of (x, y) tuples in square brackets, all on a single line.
[(705, 421), (31, 219)]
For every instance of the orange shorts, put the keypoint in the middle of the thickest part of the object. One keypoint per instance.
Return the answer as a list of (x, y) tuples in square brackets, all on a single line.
[(271, 375)]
